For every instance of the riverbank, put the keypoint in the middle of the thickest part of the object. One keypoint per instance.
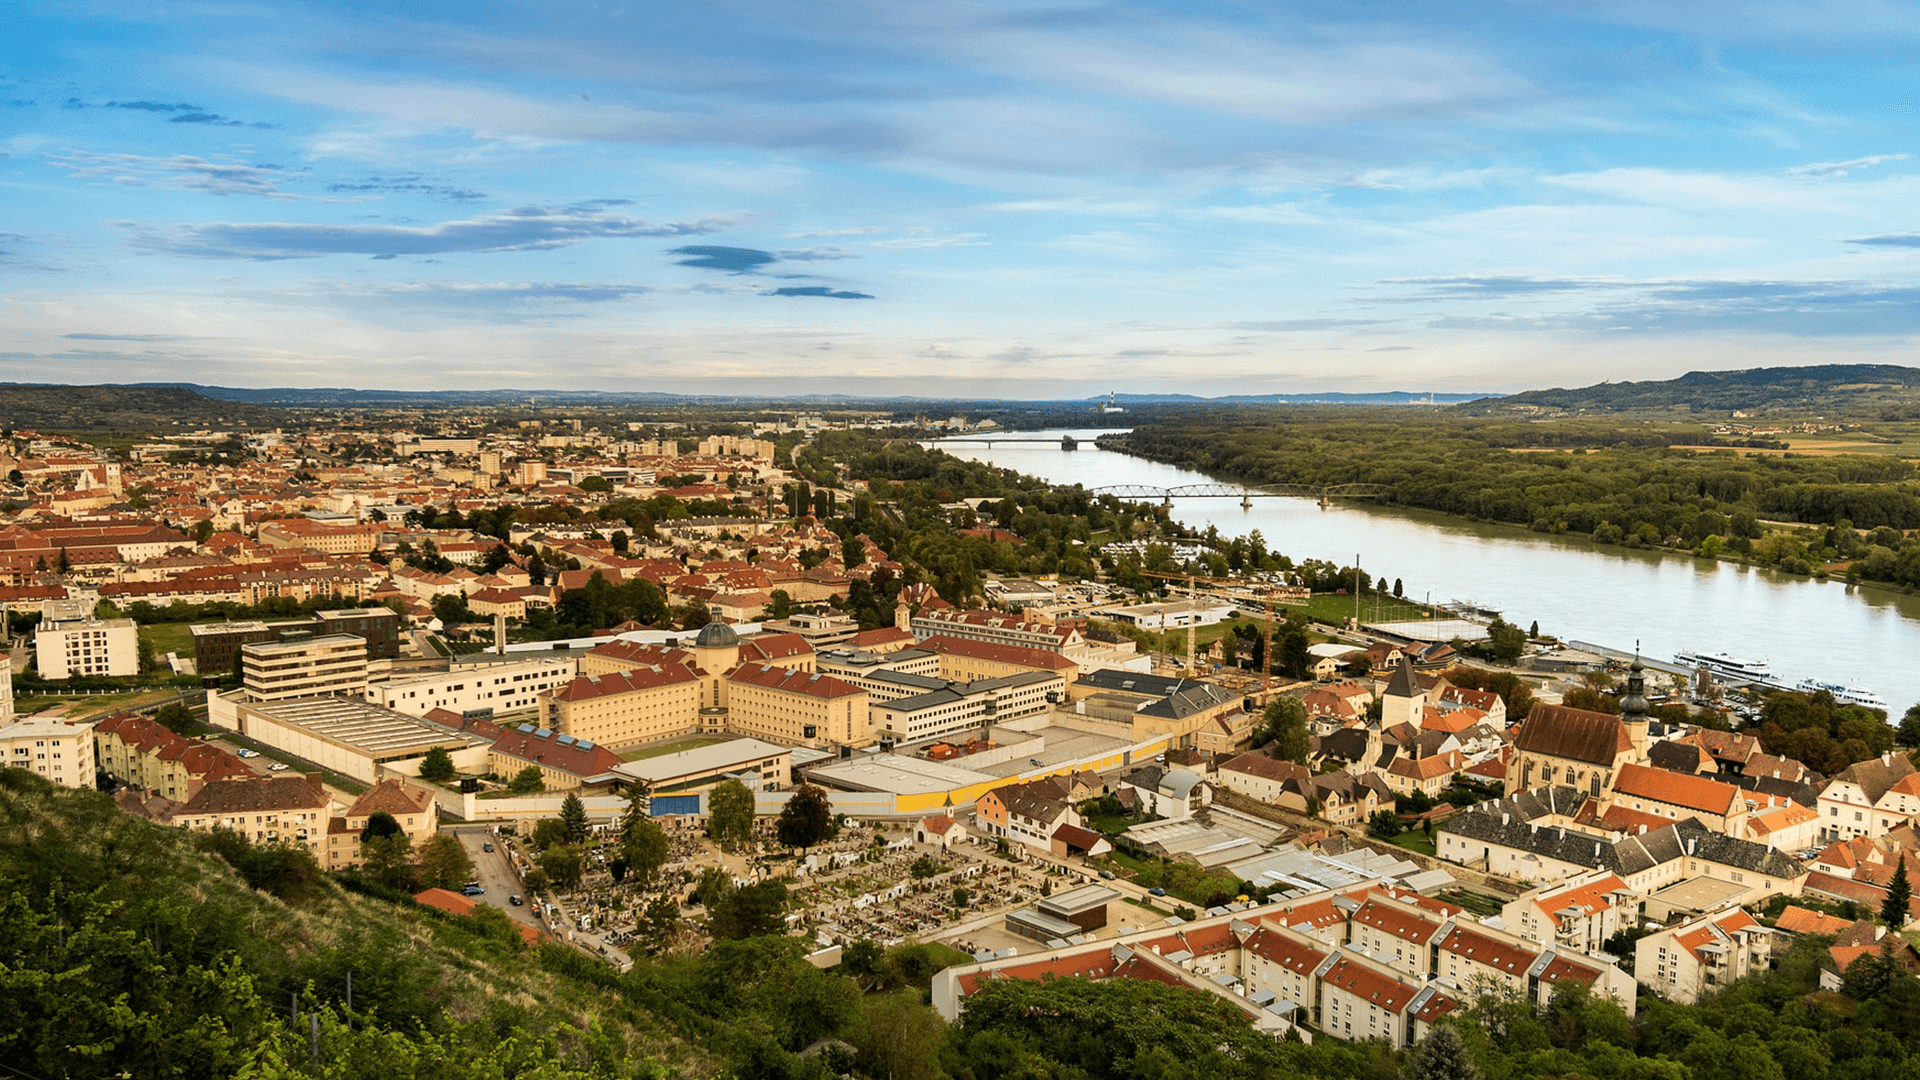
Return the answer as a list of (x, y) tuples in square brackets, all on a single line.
[(1664, 600)]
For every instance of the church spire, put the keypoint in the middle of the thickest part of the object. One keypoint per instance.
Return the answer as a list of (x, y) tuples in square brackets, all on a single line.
[(1633, 706)]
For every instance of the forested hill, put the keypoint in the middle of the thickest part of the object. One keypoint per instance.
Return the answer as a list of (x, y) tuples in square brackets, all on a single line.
[(53, 408), (1853, 389)]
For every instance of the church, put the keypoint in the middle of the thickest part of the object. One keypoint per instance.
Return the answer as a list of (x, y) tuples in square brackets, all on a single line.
[(1579, 749)]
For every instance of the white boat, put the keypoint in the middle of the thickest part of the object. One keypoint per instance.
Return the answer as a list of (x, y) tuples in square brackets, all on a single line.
[(1731, 667), (1845, 695)]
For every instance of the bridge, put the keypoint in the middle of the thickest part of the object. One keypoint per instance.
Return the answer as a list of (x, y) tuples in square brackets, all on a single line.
[(1323, 494)]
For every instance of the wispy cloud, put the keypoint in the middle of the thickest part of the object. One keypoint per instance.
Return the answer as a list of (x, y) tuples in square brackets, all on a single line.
[(180, 171), (1842, 168), (1910, 239), (124, 337), (818, 290), (529, 228), (407, 184)]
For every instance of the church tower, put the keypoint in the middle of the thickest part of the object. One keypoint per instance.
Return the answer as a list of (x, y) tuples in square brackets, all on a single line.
[(1633, 711), (1403, 702)]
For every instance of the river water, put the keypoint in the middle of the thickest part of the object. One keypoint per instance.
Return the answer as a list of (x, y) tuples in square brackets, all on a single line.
[(1575, 589)]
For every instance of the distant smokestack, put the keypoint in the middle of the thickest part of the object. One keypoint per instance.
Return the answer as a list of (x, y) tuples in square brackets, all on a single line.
[(500, 632)]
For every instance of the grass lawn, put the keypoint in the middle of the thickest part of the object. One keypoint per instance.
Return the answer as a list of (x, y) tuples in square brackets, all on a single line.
[(1475, 902), (169, 637), (1414, 840), (661, 750), (1133, 865), (84, 706), (1374, 607)]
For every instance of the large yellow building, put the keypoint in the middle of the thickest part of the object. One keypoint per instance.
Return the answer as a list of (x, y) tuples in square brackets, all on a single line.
[(621, 708), (62, 753), (796, 708)]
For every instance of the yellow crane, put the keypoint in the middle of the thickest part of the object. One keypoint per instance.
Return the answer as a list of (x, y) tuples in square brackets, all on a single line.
[(1266, 592)]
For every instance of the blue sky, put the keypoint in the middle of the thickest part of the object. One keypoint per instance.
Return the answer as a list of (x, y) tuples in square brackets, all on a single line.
[(993, 197)]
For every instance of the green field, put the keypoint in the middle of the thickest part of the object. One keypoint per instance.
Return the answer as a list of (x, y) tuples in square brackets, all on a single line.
[(168, 637), (1414, 840), (663, 749)]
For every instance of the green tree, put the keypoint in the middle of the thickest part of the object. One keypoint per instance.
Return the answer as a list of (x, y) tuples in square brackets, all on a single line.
[(1505, 641), (437, 765), (730, 815), (444, 863), (646, 848), (388, 859), (573, 818), (924, 867), (758, 910), (807, 819), (496, 925), (714, 886), (527, 781), (1384, 825), (1909, 731), (779, 604), (548, 832), (1895, 911), (564, 864), (175, 717), (1283, 730), (1442, 1055), (962, 896)]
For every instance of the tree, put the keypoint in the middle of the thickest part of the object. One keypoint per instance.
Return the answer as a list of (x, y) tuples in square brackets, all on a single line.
[(730, 815), (175, 717), (564, 864), (379, 824), (536, 880), (444, 863), (388, 859), (1284, 725), (646, 848), (961, 896), (1442, 1055), (1384, 825), (548, 832), (714, 886), (619, 541), (1895, 911), (573, 817), (437, 765), (779, 604), (807, 818), (755, 911), (496, 925), (1505, 641), (1909, 731), (924, 867), (527, 781), (451, 609), (659, 921)]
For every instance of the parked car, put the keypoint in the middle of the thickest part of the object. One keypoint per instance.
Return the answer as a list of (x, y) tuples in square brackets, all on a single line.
[(277, 766), (244, 752), (1106, 875), (473, 890), (515, 900), (1156, 892), (486, 847)]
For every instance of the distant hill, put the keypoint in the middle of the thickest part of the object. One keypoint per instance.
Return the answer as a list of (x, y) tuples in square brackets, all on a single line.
[(1855, 388), (1386, 397), (53, 408)]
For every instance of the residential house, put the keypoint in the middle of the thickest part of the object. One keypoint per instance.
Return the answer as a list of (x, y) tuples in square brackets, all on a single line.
[(1686, 960)]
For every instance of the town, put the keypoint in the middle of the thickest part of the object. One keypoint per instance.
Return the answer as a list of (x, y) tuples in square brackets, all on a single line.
[(637, 686)]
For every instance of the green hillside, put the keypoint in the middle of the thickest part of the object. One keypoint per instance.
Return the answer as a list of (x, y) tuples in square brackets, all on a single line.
[(1848, 389)]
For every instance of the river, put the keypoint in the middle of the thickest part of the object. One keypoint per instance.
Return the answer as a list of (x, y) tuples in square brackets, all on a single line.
[(1575, 589)]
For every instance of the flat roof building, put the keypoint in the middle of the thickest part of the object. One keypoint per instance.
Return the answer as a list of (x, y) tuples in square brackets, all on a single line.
[(345, 735), (275, 671), (691, 770)]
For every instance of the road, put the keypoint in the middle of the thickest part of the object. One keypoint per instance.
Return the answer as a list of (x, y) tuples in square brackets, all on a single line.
[(494, 872)]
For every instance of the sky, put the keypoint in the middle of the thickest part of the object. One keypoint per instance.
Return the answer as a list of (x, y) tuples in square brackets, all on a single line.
[(975, 197)]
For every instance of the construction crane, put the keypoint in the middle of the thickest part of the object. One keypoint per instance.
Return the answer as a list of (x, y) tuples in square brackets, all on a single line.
[(1267, 592)]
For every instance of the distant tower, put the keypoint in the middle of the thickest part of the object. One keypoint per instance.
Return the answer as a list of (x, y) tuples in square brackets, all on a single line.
[(1403, 702), (1633, 709)]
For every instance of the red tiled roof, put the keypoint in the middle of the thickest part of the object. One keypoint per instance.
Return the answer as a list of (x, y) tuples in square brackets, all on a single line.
[(1490, 952), (1369, 985), (788, 680), (1690, 790), (1574, 734)]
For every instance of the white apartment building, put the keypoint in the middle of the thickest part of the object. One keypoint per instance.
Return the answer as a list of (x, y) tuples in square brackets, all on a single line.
[(63, 753), (6, 690), (1684, 961), (87, 648), (332, 664), (502, 688)]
